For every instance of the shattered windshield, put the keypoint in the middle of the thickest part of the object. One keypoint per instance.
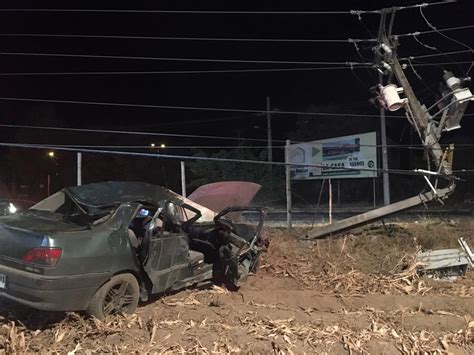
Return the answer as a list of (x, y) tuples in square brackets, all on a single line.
[(65, 204)]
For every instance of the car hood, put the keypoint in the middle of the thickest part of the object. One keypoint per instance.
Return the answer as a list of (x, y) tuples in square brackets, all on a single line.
[(39, 222)]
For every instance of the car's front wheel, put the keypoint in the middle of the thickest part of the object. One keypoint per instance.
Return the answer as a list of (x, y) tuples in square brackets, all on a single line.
[(119, 295)]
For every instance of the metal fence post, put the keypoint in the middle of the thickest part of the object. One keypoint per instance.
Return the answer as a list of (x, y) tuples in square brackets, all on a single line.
[(288, 185)]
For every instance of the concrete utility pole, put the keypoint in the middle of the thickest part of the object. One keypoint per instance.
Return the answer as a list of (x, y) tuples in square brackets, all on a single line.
[(288, 185), (183, 179), (269, 131), (429, 127), (383, 130), (383, 136), (388, 53)]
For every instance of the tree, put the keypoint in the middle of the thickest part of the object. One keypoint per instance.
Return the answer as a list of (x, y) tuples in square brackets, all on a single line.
[(206, 171)]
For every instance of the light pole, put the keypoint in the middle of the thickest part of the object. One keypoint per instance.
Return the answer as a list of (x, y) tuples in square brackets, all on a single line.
[(51, 155)]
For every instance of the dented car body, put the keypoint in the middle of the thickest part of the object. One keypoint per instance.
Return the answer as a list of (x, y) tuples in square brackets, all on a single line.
[(101, 247)]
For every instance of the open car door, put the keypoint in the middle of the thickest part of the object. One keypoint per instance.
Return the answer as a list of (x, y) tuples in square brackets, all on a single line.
[(165, 255), (249, 230)]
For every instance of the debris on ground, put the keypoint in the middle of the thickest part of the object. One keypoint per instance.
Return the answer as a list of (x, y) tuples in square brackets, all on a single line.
[(359, 295), (446, 262)]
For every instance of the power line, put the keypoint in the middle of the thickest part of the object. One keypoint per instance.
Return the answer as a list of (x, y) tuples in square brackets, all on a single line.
[(437, 54), (424, 64), (149, 147), (158, 148), (200, 158), (72, 129), (296, 40), (178, 71), (417, 33), (451, 39), (194, 108), (230, 12), (67, 55), (206, 39), (218, 71), (138, 133), (204, 12), (463, 171), (425, 4)]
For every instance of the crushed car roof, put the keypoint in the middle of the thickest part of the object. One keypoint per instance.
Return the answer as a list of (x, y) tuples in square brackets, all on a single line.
[(116, 192)]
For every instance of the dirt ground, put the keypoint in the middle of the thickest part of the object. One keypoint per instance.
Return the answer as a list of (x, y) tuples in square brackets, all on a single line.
[(357, 293)]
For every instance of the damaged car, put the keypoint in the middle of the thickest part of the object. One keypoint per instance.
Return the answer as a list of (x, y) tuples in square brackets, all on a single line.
[(103, 247)]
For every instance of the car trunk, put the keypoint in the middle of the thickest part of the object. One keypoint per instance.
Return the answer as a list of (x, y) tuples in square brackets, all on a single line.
[(22, 232)]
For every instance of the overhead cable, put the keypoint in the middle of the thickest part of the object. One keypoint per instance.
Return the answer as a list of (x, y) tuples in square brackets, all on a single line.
[(424, 4), (437, 54), (201, 158), (154, 72), (347, 63), (217, 71), (138, 133), (176, 59), (206, 39), (224, 12), (449, 38), (193, 108), (447, 29), (263, 147), (302, 40), (197, 12)]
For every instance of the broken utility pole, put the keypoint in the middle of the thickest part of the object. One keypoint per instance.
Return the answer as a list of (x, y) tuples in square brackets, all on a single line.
[(452, 105)]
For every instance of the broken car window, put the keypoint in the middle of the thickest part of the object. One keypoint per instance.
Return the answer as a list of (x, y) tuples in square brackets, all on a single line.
[(62, 203)]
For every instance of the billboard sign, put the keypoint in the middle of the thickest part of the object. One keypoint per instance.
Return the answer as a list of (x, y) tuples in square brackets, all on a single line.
[(336, 158)]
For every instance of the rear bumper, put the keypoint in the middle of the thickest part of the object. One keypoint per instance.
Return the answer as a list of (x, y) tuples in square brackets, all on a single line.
[(51, 293)]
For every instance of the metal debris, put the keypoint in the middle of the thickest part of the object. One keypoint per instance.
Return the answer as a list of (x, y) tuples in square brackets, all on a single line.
[(447, 262)]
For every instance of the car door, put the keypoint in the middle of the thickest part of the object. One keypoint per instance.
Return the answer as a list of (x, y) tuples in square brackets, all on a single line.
[(167, 259)]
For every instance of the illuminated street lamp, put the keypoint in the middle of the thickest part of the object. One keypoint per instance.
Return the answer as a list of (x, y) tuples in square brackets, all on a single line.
[(51, 154), (152, 145), (162, 145)]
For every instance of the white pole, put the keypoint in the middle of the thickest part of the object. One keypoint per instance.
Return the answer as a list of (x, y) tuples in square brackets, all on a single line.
[(330, 201), (374, 189), (79, 169), (383, 136), (183, 179), (288, 185)]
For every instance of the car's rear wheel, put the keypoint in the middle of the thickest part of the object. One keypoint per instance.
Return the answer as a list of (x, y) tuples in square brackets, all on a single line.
[(119, 295)]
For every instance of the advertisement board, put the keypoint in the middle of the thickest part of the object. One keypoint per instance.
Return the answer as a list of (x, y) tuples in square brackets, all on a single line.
[(335, 158)]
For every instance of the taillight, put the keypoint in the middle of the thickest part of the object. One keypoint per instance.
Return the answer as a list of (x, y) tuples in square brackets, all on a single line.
[(43, 256)]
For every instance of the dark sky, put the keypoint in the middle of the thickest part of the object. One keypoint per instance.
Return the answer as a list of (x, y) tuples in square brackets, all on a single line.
[(288, 90)]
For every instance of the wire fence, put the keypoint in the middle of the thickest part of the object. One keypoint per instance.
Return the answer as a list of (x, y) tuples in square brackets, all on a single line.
[(35, 171)]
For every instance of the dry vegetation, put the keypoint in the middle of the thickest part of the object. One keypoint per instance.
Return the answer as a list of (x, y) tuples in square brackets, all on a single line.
[(357, 293)]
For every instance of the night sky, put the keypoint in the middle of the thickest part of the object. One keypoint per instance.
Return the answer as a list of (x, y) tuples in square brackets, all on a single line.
[(336, 91), (288, 90)]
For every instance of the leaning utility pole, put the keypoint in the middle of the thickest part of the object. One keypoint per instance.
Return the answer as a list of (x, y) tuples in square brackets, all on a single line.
[(383, 131), (455, 97), (428, 129)]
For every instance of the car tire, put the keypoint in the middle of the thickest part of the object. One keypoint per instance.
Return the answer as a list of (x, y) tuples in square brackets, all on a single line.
[(118, 295)]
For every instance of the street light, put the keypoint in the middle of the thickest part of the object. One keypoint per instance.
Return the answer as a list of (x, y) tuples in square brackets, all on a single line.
[(51, 154), (162, 145), (152, 145)]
